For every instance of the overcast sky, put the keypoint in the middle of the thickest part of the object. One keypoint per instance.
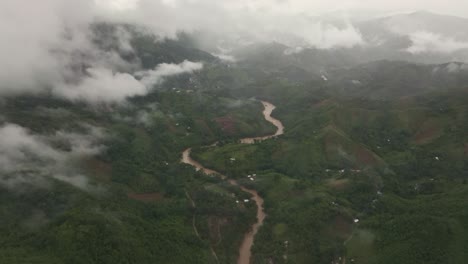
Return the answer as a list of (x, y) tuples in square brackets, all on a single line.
[(453, 7)]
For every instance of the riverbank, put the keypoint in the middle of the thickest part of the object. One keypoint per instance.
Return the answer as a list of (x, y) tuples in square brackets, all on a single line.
[(248, 241)]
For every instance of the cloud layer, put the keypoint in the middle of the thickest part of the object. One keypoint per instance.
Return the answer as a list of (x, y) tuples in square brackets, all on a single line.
[(430, 42), (28, 159), (30, 32), (156, 76), (47, 40), (50, 47), (102, 85)]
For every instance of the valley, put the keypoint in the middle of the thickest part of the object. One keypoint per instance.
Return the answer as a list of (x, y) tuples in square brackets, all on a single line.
[(247, 243), (338, 139)]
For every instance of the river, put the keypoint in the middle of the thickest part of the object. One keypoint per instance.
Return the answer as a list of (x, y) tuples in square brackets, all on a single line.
[(245, 250)]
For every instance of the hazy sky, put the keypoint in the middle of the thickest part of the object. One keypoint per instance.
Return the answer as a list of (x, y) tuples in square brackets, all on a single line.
[(454, 7)]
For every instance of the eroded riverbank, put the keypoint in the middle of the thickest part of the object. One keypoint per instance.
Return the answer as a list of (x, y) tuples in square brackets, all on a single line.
[(247, 242)]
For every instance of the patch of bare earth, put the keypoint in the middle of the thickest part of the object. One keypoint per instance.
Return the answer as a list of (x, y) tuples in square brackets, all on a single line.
[(338, 184), (171, 127), (202, 123), (215, 225), (365, 157), (227, 124), (330, 146), (426, 134), (100, 169), (340, 227)]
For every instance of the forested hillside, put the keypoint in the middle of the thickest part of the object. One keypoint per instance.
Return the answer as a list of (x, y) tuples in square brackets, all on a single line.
[(372, 167)]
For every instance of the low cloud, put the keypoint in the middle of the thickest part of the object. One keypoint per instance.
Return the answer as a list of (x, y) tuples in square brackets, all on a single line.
[(295, 50), (325, 36), (243, 23), (33, 37), (305, 33), (56, 52), (225, 57), (156, 76), (32, 160), (456, 67), (452, 67), (423, 42), (102, 85)]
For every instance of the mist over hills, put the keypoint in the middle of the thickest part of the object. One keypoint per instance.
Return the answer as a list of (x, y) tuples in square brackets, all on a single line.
[(99, 99), (420, 37)]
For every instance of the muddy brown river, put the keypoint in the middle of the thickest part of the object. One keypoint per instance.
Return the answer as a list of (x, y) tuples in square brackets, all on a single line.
[(245, 250)]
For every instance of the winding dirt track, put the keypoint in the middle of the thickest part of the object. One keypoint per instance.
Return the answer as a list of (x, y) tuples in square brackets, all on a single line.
[(247, 243)]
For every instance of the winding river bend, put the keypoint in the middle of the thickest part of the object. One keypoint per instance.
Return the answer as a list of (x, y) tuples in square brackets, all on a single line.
[(247, 243)]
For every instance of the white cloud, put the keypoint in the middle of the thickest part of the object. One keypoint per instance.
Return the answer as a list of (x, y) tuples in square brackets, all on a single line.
[(334, 37), (28, 159), (156, 76), (17, 146), (117, 5), (45, 55), (44, 39), (429, 42), (294, 50), (102, 85), (225, 57), (30, 32), (258, 19), (303, 31), (456, 67)]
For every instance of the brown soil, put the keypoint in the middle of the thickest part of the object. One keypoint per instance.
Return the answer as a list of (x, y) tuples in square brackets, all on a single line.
[(215, 224), (171, 127), (100, 169), (247, 243), (146, 197), (341, 227), (202, 123), (227, 124), (365, 156), (427, 134), (329, 145), (338, 185)]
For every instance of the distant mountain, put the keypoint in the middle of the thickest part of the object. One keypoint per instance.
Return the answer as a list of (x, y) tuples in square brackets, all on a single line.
[(394, 79), (146, 47), (420, 37), (406, 24)]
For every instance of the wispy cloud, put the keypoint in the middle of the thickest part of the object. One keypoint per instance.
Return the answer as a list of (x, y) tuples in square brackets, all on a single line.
[(32, 160), (430, 42), (102, 85), (47, 52), (48, 41), (156, 76)]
